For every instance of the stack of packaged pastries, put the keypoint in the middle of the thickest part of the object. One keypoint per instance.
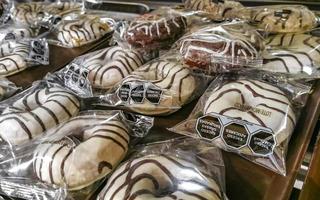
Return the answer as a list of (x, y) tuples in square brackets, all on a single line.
[(77, 133)]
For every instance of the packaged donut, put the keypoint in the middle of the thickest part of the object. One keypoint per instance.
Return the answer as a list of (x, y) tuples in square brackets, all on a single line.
[(81, 30), (253, 115), (5, 6), (75, 156), (281, 18), (177, 169), (97, 72), (154, 31), (17, 55), (27, 115), (36, 14), (160, 87), (221, 47), (218, 10), (294, 54)]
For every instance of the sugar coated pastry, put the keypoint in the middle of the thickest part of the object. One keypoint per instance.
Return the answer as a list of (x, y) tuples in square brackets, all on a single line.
[(256, 102), (35, 113), (92, 146), (75, 33), (300, 42), (28, 13), (12, 57), (154, 31), (287, 61), (220, 44), (218, 10), (110, 66), (160, 177), (283, 18), (173, 82)]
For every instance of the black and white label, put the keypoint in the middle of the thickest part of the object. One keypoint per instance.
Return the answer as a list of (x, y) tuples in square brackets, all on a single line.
[(139, 92), (236, 134), (76, 78), (39, 52)]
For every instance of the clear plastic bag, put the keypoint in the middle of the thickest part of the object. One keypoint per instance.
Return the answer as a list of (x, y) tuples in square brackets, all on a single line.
[(280, 18), (252, 114), (217, 10), (27, 115), (76, 155), (180, 169), (222, 47), (5, 6), (16, 32), (80, 30), (96, 72), (159, 87), (152, 32), (17, 55), (7, 88), (37, 14)]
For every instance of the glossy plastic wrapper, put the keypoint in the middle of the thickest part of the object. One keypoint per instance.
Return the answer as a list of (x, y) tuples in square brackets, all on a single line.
[(280, 18), (5, 6), (160, 87), (219, 48), (252, 114), (73, 158), (80, 30), (180, 168), (17, 55), (27, 115), (7, 88), (11, 31)]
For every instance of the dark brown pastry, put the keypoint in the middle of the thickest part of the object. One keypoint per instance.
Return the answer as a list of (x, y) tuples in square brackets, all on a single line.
[(219, 45), (154, 31)]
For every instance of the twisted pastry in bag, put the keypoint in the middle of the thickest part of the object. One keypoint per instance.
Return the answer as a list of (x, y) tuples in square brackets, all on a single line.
[(159, 177), (35, 113), (12, 57), (92, 147), (75, 33), (256, 102), (304, 43), (110, 66), (176, 82), (154, 31), (284, 19)]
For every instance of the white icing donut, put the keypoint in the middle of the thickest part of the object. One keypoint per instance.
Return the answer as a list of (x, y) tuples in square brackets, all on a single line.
[(256, 102), (305, 43), (160, 177), (110, 66), (12, 57), (284, 18), (35, 113), (75, 33), (176, 82), (28, 13), (91, 146), (285, 61)]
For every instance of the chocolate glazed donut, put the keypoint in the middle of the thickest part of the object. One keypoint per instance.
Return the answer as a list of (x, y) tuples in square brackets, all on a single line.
[(92, 147), (152, 31), (110, 66), (159, 177), (35, 113), (260, 103)]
